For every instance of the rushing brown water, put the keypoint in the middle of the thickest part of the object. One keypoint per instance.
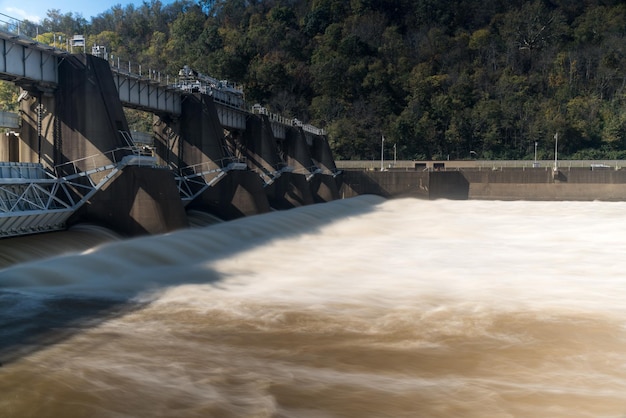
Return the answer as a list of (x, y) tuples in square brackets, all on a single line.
[(355, 308)]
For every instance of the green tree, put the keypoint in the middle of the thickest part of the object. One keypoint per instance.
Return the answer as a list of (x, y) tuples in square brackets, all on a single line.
[(439, 78), (8, 97)]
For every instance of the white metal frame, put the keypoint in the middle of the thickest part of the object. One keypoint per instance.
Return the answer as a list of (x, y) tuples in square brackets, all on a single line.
[(32, 200)]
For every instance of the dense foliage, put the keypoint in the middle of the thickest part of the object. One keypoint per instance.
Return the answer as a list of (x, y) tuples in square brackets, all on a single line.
[(439, 79)]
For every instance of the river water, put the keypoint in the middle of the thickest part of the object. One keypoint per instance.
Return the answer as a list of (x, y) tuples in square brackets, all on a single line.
[(355, 308)]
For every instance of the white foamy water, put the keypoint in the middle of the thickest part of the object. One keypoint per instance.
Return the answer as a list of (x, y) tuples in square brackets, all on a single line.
[(355, 308)]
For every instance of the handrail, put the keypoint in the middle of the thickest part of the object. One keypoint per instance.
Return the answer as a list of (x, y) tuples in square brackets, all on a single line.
[(192, 180), (93, 161), (270, 176), (309, 172), (303, 170), (209, 166), (273, 117)]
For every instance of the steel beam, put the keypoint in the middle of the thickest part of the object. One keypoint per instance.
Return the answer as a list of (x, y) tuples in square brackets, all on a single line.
[(26, 60), (231, 118), (145, 94)]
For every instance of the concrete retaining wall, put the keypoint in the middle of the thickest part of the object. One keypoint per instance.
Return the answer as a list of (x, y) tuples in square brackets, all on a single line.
[(423, 184), (548, 192), (569, 184), (514, 184)]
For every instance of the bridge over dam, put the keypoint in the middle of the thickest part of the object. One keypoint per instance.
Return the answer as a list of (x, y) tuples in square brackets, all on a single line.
[(70, 157)]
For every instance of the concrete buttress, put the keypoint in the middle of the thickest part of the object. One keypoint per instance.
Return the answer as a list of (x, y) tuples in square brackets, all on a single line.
[(83, 122)]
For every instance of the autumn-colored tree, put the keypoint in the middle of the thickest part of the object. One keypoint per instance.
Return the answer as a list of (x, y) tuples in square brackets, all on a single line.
[(440, 79)]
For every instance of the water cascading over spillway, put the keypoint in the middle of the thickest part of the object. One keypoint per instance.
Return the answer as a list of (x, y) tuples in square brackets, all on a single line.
[(359, 307)]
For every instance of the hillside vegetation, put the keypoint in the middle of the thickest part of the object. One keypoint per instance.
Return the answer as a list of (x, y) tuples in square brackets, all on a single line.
[(438, 78)]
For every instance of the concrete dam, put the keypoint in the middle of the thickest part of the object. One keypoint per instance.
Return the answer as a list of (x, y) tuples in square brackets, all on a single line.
[(73, 159)]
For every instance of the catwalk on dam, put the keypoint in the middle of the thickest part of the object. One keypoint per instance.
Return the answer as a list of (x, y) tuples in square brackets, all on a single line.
[(358, 307)]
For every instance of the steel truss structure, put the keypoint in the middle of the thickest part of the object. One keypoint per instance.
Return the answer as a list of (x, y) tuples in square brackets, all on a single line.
[(33, 200), (195, 179)]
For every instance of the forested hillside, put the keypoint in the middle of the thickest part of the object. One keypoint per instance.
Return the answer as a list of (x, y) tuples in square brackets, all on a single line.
[(438, 78)]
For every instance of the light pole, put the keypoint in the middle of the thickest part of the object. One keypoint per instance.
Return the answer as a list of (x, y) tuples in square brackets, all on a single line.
[(535, 152), (556, 150), (382, 153), (395, 159)]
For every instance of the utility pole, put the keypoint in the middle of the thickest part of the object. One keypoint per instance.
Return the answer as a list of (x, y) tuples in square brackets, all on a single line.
[(382, 153), (395, 159), (556, 151)]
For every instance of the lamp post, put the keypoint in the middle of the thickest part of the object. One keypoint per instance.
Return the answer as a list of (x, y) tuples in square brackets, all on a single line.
[(556, 151), (535, 153), (395, 159), (382, 153)]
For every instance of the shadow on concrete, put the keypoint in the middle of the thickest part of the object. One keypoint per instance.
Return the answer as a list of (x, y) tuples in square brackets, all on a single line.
[(290, 190), (89, 112), (32, 320), (137, 201), (390, 184), (324, 188), (238, 194), (358, 182)]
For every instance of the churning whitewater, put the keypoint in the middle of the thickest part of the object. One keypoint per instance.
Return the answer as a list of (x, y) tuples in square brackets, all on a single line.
[(355, 308)]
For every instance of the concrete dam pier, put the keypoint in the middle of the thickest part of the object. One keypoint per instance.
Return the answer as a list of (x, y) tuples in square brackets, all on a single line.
[(210, 153)]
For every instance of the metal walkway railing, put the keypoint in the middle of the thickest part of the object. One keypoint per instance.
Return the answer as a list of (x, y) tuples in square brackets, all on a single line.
[(33, 200), (195, 179), (269, 177)]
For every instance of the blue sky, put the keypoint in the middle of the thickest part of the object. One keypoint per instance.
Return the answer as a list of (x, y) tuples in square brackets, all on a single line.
[(35, 10)]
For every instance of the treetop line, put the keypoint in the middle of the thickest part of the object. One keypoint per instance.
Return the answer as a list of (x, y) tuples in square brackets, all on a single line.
[(437, 78)]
